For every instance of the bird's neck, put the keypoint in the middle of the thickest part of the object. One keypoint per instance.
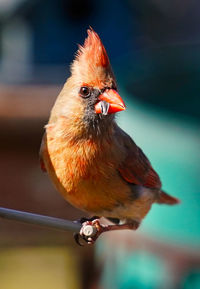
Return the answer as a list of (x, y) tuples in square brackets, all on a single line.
[(78, 130)]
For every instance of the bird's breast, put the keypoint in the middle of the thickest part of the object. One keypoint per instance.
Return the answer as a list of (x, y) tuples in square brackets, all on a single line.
[(85, 172)]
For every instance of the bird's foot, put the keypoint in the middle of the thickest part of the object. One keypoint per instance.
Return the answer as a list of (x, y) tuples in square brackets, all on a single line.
[(91, 230)]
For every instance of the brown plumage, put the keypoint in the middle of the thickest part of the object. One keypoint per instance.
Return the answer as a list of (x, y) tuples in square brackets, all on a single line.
[(93, 163)]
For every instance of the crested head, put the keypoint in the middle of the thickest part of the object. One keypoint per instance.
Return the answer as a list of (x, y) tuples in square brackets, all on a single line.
[(91, 65), (89, 98), (94, 50)]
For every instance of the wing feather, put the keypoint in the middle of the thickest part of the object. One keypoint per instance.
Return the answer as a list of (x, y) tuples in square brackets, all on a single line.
[(42, 165), (136, 168)]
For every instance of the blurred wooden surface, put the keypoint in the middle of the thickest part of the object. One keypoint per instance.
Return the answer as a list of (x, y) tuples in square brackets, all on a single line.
[(23, 114), (24, 110), (38, 267)]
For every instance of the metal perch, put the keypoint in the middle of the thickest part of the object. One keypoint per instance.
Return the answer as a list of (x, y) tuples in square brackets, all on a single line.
[(87, 230), (35, 219)]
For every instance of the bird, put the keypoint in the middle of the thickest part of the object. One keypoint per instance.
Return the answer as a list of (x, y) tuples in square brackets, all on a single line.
[(95, 165)]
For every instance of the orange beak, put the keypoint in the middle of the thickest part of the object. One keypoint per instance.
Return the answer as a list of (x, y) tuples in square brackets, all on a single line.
[(112, 99)]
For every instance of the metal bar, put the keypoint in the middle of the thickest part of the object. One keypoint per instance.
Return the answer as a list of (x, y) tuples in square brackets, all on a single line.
[(35, 219)]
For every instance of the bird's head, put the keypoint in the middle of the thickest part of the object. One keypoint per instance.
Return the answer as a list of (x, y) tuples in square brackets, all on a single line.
[(91, 91), (92, 71)]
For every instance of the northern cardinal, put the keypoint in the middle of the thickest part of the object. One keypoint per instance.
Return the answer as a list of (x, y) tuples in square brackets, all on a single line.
[(93, 163)]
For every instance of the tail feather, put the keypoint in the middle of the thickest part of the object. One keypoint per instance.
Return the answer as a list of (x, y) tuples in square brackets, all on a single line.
[(164, 198)]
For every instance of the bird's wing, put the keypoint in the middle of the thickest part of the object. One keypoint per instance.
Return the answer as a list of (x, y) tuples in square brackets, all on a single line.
[(136, 168), (42, 165)]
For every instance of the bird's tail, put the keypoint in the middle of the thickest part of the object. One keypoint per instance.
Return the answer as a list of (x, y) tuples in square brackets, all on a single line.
[(164, 198)]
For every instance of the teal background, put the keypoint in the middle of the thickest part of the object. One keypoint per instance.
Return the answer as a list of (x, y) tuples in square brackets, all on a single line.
[(172, 145), (172, 142)]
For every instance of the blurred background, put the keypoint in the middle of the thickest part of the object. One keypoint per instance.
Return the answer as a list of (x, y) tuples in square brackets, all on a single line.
[(154, 48)]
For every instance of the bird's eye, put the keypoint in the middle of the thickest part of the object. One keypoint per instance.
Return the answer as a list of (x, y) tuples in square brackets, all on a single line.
[(84, 92)]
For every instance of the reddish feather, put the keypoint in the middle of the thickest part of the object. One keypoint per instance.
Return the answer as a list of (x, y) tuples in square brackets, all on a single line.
[(93, 50), (136, 168), (42, 165)]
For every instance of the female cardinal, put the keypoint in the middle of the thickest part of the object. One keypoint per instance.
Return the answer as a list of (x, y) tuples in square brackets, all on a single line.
[(93, 163)]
